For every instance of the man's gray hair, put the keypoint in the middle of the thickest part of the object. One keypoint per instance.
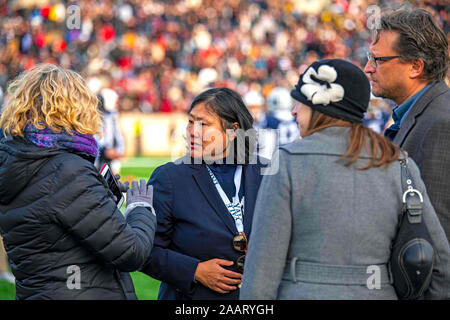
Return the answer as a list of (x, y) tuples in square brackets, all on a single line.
[(420, 36)]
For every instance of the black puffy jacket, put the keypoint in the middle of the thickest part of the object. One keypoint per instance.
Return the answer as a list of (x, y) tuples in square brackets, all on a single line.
[(57, 217)]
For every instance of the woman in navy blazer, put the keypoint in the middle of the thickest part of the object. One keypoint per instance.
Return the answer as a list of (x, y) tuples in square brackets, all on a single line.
[(195, 253)]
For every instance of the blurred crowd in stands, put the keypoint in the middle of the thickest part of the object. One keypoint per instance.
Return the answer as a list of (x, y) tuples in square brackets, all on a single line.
[(157, 55)]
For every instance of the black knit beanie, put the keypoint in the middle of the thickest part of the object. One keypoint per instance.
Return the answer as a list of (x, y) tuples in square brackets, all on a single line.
[(335, 87)]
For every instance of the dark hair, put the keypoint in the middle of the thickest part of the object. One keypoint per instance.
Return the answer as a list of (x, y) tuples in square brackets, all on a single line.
[(227, 104), (383, 151), (419, 37), (101, 104)]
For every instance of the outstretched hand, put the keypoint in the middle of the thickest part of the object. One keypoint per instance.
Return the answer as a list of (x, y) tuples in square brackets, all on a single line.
[(143, 193)]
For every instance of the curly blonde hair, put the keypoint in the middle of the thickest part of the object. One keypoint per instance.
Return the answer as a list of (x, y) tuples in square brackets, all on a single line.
[(53, 97)]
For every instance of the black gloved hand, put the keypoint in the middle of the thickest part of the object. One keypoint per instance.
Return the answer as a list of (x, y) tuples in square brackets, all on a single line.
[(123, 186)]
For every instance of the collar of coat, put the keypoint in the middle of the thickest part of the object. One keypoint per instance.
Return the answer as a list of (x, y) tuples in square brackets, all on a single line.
[(437, 89), (329, 141)]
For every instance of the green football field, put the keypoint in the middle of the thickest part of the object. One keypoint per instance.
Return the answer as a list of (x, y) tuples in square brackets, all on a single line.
[(131, 168)]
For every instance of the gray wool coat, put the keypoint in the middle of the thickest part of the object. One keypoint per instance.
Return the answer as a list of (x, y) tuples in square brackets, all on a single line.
[(318, 212)]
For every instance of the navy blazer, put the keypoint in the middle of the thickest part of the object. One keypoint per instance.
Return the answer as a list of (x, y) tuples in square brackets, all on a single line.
[(194, 226)]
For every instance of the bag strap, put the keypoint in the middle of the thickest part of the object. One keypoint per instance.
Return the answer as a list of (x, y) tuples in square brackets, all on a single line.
[(412, 198)]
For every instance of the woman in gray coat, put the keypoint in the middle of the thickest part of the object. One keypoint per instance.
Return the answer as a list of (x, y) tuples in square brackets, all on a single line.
[(324, 224)]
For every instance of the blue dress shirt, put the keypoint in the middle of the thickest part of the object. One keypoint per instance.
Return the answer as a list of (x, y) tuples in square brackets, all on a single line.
[(400, 113)]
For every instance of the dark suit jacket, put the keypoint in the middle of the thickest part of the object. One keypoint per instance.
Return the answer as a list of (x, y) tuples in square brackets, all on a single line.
[(425, 135), (194, 226)]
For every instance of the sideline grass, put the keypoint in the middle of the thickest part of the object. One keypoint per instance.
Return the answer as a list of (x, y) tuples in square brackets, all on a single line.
[(146, 287), (7, 291), (140, 167)]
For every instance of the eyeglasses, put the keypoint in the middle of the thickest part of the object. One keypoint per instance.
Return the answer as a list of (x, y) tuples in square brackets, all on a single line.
[(240, 244), (375, 59)]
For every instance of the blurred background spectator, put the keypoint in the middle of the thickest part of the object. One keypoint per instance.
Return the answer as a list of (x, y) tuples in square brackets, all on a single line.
[(111, 144), (157, 55), (278, 124), (279, 116), (378, 113)]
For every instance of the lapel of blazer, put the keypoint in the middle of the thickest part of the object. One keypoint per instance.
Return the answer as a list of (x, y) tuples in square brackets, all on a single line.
[(420, 105), (209, 191), (251, 183)]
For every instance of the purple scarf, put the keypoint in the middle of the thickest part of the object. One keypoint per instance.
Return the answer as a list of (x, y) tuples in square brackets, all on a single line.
[(48, 139)]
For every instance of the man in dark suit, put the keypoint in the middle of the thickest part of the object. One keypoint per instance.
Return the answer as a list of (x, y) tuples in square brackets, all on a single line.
[(407, 63)]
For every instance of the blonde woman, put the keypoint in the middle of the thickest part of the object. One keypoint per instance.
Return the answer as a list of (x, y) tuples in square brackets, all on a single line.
[(63, 233)]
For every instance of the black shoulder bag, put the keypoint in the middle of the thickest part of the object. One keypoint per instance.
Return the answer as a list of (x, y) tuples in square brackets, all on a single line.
[(412, 255)]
